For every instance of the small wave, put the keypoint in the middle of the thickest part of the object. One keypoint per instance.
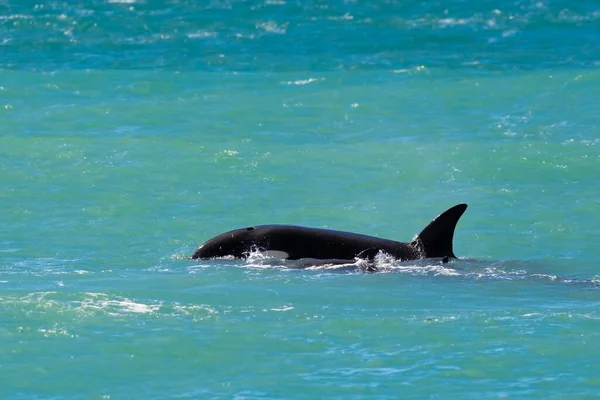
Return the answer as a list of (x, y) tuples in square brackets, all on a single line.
[(55, 330), (91, 302), (427, 270), (415, 70), (15, 16), (300, 82), (202, 35), (382, 262), (359, 265), (545, 276), (180, 256), (197, 311), (472, 269), (273, 27), (115, 306), (282, 309)]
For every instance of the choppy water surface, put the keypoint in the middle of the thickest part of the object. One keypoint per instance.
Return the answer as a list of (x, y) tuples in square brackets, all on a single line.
[(132, 131)]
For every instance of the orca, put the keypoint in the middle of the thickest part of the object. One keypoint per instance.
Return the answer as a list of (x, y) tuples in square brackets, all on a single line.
[(291, 242)]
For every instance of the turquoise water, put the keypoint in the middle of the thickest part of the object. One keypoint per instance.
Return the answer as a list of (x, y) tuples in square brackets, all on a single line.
[(133, 131)]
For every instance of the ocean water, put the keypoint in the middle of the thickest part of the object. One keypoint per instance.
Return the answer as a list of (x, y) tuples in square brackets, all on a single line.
[(131, 131)]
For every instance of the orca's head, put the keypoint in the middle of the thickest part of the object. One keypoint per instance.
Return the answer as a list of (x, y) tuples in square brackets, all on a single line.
[(233, 243)]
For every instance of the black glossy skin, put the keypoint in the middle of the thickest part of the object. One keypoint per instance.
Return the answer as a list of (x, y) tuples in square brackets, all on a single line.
[(302, 242), (315, 243)]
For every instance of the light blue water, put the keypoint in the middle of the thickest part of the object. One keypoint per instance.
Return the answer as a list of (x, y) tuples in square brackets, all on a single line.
[(130, 132)]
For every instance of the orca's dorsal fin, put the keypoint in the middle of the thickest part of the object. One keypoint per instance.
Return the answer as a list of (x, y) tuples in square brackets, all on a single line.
[(436, 239)]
